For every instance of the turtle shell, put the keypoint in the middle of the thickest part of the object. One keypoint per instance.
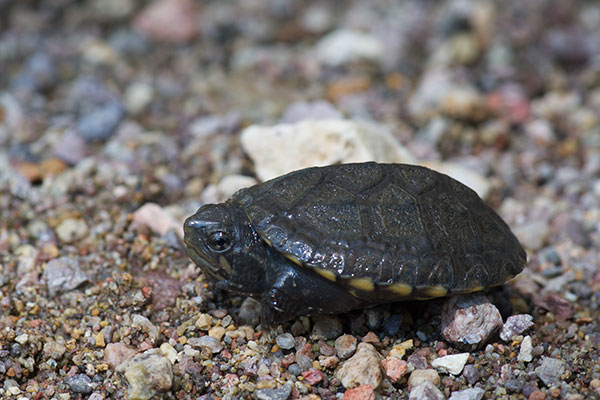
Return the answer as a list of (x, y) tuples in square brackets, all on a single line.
[(403, 228)]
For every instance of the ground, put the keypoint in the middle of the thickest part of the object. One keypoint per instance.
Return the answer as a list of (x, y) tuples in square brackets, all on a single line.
[(120, 118)]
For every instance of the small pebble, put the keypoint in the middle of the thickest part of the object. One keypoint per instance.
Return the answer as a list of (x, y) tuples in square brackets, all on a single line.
[(117, 353), (71, 229), (345, 346), (452, 364), (471, 373), (147, 374), (526, 350), (394, 368), (362, 392), (469, 321), (63, 274), (515, 325), (80, 383), (418, 376), (280, 393), (426, 391), (100, 123), (550, 371), (208, 342), (285, 341), (363, 368)]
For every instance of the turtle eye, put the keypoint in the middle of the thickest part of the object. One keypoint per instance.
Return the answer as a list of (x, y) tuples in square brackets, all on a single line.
[(219, 241)]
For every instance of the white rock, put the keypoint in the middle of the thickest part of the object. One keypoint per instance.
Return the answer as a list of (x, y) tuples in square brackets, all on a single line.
[(343, 46), (452, 364), (426, 390), (157, 219), (283, 148), (232, 183), (526, 352), (169, 351)]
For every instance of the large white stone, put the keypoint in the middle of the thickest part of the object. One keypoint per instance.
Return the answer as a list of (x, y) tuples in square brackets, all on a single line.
[(453, 364), (283, 148)]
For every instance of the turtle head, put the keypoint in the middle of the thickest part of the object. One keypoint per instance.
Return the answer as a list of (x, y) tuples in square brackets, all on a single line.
[(209, 236), (220, 240)]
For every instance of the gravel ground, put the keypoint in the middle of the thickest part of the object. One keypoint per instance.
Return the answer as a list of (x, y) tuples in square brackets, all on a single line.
[(119, 118)]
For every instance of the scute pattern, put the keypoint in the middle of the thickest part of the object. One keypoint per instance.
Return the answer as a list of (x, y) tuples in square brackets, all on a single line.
[(388, 223)]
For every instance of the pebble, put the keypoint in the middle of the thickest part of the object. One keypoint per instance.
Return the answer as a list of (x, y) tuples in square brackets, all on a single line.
[(561, 308), (116, 354), (394, 368), (469, 321), (138, 320), (392, 325), (363, 368), (55, 347), (137, 96), (172, 21), (471, 373), (362, 392), (515, 325), (71, 147), (305, 357), (71, 229), (80, 383), (147, 374), (217, 332), (345, 346), (322, 142), (208, 342), (468, 394), (285, 341), (452, 364), (63, 274), (204, 322), (100, 123), (157, 219), (280, 393), (426, 391), (326, 327), (550, 371), (312, 376), (418, 376), (526, 350), (344, 46)]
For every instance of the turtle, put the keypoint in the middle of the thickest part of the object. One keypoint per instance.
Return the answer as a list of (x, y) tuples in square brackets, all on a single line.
[(327, 240)]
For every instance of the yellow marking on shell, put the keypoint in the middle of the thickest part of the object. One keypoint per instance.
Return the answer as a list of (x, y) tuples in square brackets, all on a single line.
[(435, 291), (353, 293), (364, 284), (329, 275), (477, 288), (224, 264), (293, 259), (401, 289)]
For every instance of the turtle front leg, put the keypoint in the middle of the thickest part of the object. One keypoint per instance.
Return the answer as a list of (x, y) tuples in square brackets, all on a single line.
[(297, 291)]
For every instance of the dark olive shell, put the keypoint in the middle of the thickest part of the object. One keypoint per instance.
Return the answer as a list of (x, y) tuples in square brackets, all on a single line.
[(405, 228)]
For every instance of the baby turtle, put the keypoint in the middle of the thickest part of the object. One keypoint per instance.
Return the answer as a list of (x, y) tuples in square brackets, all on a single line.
[(336, 238)]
